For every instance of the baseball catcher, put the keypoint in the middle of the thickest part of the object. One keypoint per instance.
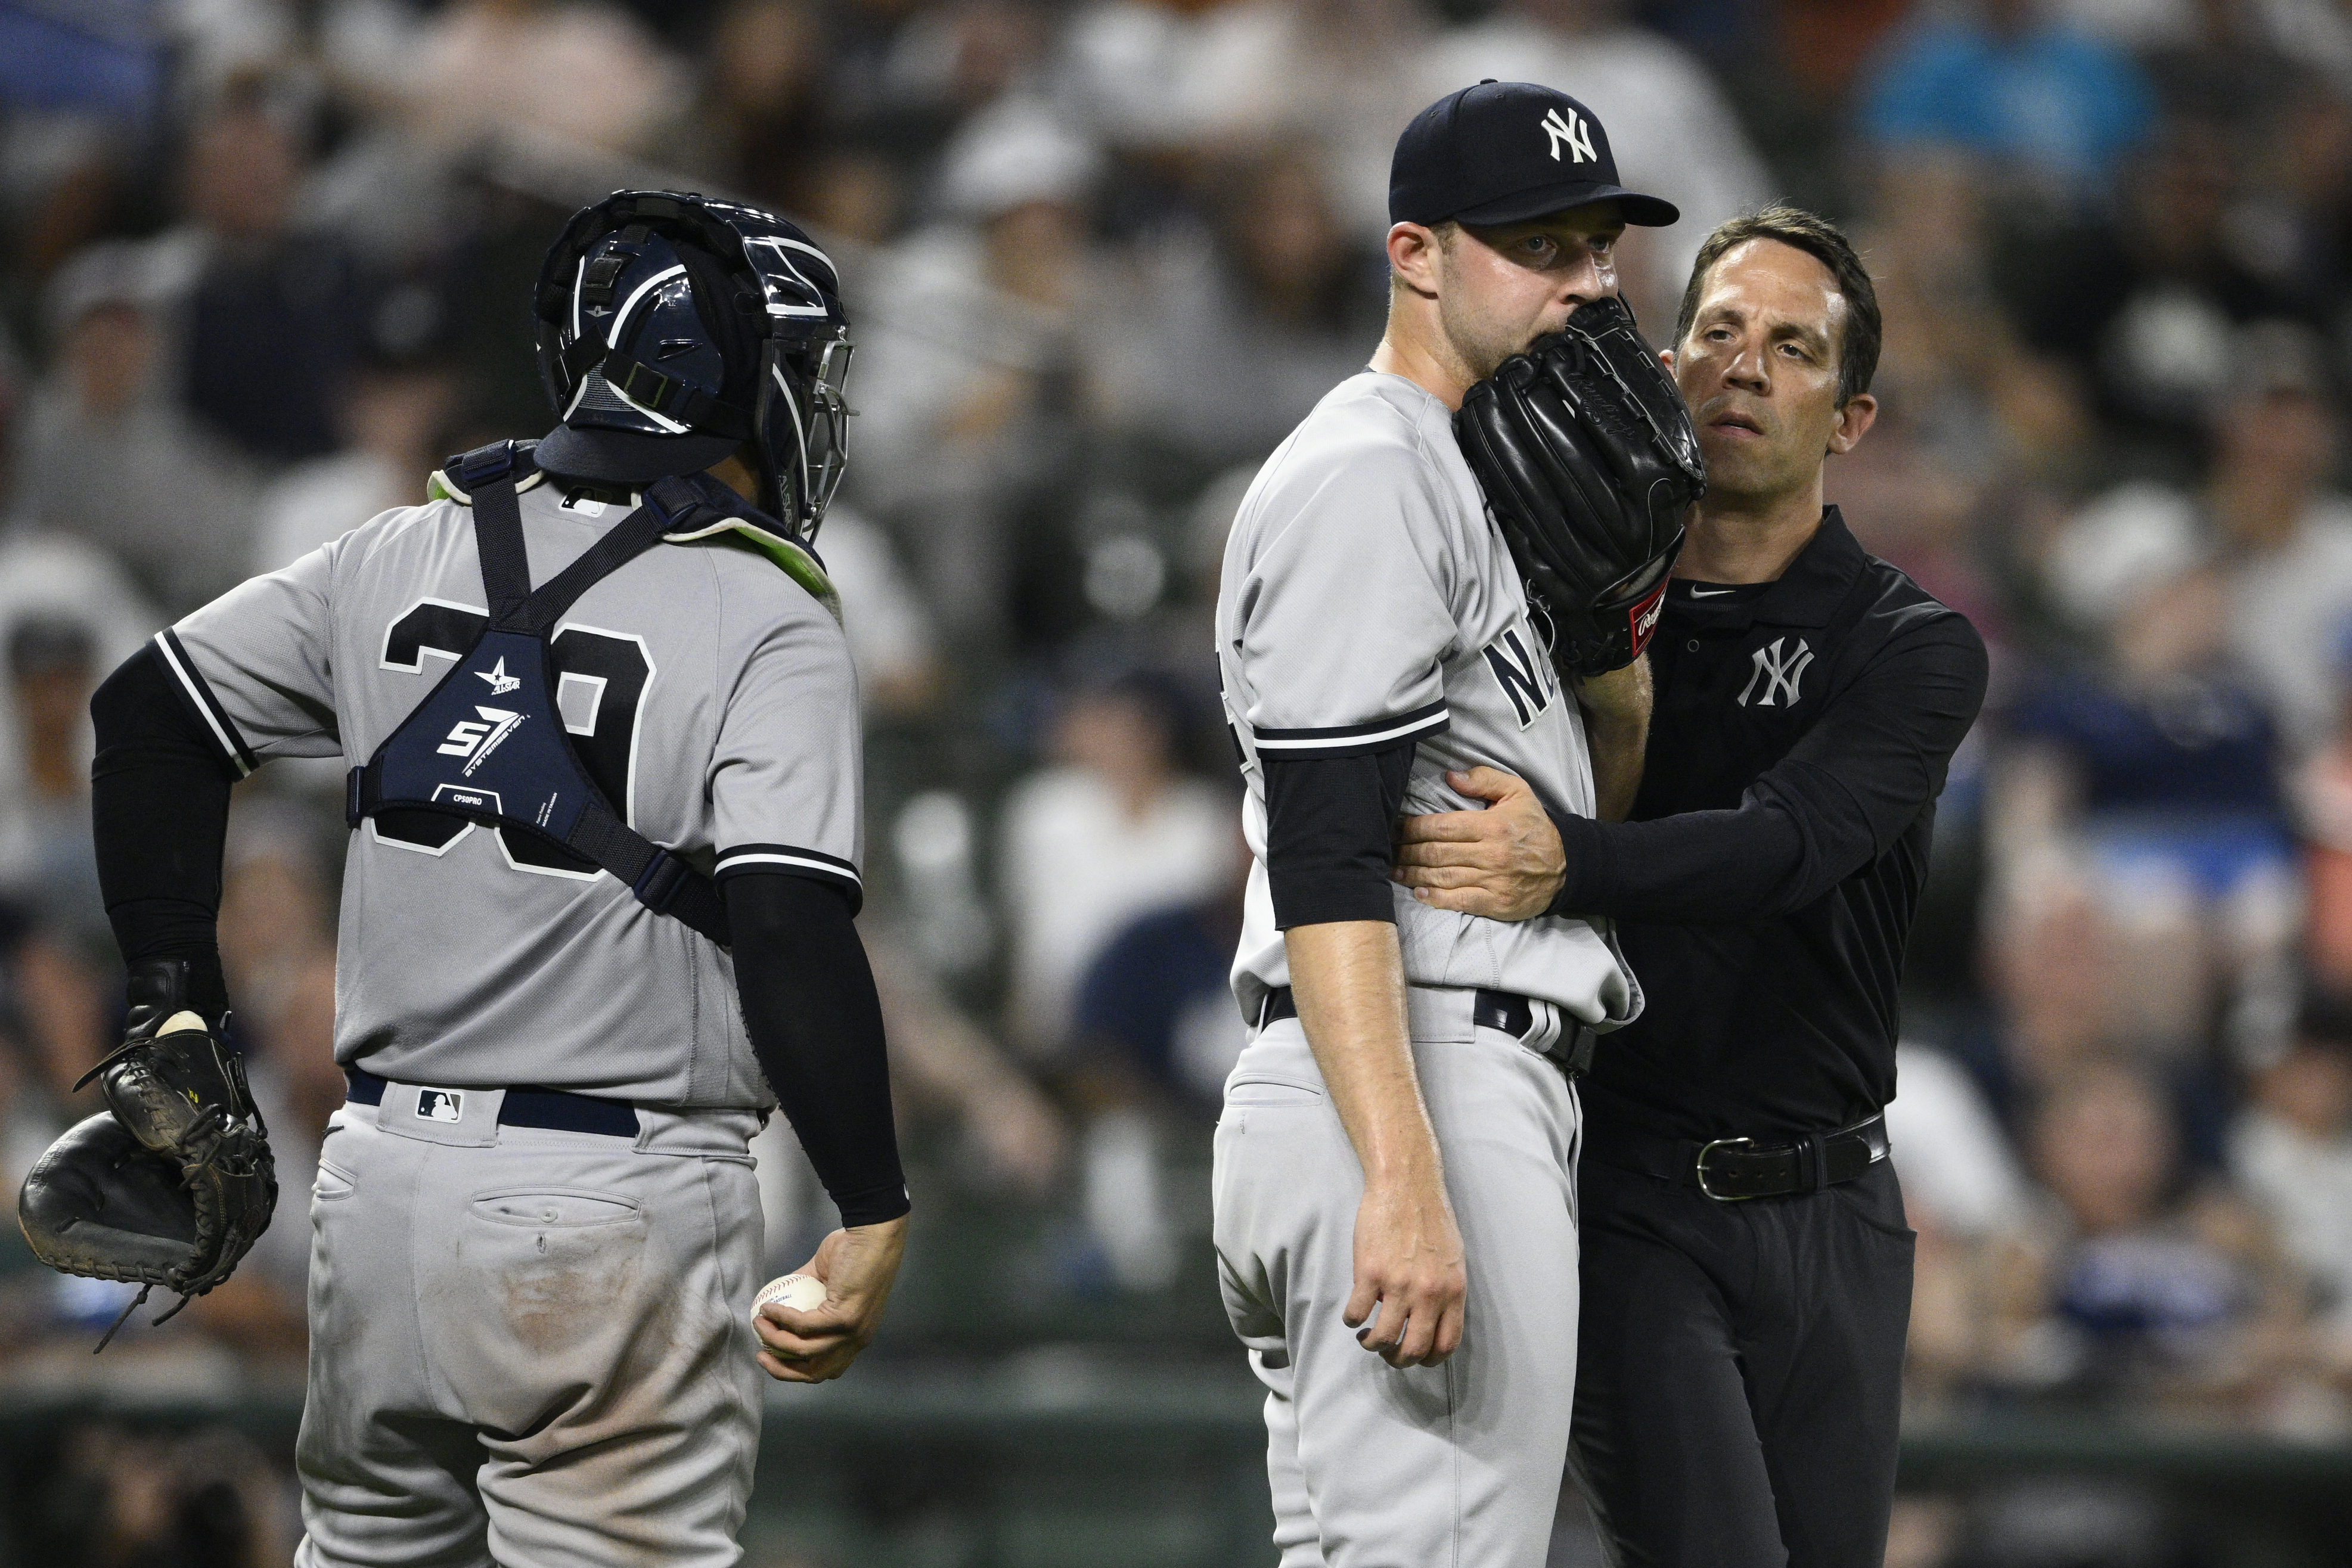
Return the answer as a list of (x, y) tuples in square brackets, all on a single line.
[(1589, 465), (599, 905), (172, 1183)]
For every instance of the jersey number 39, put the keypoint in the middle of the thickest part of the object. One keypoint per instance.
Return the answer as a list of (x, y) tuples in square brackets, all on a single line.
[(600, 682)]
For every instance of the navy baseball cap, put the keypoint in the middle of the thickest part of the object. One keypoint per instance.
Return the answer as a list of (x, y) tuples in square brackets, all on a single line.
[(1503, 151)]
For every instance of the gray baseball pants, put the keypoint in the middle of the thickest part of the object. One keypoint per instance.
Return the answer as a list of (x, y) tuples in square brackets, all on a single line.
[(528, 1347), (1456, 1465)]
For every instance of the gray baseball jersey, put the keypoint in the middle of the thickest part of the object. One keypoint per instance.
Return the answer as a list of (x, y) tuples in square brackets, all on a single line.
[(1366, 599), (718, 710)]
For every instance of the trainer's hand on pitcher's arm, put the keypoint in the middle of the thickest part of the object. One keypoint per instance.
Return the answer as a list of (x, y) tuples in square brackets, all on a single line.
[(1505, 862), (1410, 1282), (858, 1266)]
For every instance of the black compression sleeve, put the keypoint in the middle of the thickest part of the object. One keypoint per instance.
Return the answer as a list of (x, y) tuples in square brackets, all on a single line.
[(1330, 832), (815, 1024), (159, 806)]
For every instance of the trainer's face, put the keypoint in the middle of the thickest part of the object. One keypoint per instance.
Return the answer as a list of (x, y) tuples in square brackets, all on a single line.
[(1759, 370), (1500, 288)]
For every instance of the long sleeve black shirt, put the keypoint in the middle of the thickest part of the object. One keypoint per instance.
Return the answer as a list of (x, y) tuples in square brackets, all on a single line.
[(1766, 883)]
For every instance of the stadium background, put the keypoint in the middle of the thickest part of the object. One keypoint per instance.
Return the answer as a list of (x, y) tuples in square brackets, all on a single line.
[(267, 260)]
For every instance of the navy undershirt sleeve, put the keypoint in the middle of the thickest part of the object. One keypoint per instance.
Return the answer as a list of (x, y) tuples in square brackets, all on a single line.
[(1330, 828), (816, 1023), (159, 808)]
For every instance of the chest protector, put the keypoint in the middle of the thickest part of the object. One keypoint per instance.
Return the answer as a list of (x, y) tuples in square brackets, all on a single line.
[(487, 744)]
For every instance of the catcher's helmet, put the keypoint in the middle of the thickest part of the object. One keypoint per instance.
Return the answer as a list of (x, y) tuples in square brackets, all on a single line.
[(673, 329)]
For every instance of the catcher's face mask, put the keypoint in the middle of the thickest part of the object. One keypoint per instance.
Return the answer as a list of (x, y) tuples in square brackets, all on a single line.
[(674, 329)]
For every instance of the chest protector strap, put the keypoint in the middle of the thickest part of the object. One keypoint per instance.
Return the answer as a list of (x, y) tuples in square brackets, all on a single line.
[(487, 743)]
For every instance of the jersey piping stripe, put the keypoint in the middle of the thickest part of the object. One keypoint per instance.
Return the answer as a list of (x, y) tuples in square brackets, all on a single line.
[(785, 857), (1353, 740), (223, 729)]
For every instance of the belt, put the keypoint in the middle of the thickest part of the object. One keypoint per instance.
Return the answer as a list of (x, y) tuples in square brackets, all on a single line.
[(527, 1107), (1732, 1170), (1513, 1015)]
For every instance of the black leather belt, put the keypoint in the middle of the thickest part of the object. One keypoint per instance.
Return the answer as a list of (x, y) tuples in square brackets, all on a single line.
[(1513, 1015), (524, 1106), (1731, 1170)]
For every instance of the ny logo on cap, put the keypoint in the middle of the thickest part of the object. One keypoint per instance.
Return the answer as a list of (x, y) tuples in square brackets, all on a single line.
[(1571, 130)]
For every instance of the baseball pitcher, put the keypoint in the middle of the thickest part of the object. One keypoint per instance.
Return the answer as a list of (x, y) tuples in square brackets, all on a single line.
[(1394, 1184)]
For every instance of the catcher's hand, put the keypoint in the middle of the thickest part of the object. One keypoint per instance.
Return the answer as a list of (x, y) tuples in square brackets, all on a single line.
[(175, 1186), (1589, 462)]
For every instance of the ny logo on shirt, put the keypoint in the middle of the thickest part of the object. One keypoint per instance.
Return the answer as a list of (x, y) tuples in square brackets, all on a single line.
[(1526, 678), (1779, 672)]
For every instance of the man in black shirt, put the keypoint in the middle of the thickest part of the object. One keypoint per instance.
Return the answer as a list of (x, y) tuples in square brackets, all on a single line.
[(1747, 1268)]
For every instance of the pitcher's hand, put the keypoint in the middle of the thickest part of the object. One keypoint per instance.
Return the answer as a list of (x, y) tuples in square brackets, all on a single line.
[(1409, 1267)]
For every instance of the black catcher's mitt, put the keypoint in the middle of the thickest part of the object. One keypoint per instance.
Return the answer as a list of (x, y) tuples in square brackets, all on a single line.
[(1589, 465), (176, 1183)]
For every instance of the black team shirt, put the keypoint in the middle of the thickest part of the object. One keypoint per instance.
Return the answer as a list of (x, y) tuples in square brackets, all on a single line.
[(1766, 883)]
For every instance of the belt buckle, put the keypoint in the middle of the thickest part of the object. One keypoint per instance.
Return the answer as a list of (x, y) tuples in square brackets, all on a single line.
[(1700, 1167)]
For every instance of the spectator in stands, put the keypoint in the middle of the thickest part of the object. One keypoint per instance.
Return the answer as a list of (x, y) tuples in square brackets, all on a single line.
[(2162, 751), (1670, 124), (1233, 328), (2147, 301), (761, 119), (2084, 969), (398, 413), (893, 638), (273, 318), (2002, 79), (968, 352), (2127, 1287), (2323, 801), (46, 864), (106, 453), (2291, 1151), (2280, 532), (1964, 389), (2302, 213), (555, 75), (1171, 82), (1108, 832), (116, 1498), (1156, 1018), (277, 925)]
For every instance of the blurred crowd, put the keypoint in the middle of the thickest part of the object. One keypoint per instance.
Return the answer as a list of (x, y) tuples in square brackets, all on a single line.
[(272, 263)]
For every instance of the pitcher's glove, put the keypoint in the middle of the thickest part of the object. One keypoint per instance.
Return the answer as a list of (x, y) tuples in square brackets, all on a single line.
[(176, 1183), (1589, 462)]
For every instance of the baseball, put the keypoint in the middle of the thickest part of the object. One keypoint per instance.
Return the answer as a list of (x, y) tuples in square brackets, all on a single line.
[(802, 1292)]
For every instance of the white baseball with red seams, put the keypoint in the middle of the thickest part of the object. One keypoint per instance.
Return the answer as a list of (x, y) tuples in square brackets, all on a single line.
[(802, 1292)]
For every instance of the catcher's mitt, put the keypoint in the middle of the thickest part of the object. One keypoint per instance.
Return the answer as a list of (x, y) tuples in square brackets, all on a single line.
[(175, 1186), (1589, 462)]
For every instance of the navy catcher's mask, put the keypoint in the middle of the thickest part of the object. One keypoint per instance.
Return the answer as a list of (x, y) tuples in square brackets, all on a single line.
[(673, 329)]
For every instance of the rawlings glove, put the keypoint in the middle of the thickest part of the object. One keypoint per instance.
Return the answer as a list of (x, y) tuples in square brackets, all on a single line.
[(1589, 462), (174, 1184)]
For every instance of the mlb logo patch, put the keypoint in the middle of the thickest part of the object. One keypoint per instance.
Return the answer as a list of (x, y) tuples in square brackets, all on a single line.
[(440, 1104)]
